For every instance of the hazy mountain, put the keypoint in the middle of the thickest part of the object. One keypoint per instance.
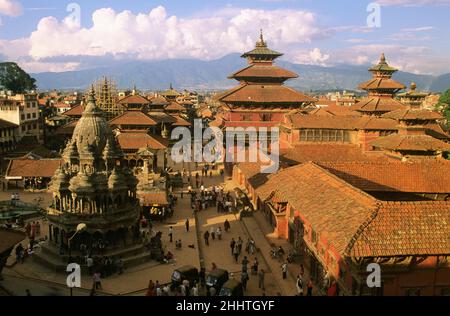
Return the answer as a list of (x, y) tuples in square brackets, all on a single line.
[(200, 75)]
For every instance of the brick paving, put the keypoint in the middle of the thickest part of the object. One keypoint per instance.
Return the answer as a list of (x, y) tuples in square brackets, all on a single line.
[(134, 281)]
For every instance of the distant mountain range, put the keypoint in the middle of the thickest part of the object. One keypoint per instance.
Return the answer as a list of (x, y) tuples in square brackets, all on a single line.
[(212, 75)]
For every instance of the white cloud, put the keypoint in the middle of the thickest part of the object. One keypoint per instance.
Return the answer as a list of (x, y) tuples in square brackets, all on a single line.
[(416, 59), (157, 35), (418, 29), (10, 8), (313, 57)]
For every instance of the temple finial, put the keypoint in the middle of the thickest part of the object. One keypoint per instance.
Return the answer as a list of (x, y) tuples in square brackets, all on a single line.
[(261, 42), (382, 58), (171, 86)]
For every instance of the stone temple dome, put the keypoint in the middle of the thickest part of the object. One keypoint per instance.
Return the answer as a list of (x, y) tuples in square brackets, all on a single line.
[(92, 131), (93, 185)]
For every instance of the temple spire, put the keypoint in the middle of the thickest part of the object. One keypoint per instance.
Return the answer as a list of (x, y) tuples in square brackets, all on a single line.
[(261, 42)]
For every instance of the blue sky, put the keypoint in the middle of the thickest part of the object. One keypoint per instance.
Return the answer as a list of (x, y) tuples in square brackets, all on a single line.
[(41, 35)]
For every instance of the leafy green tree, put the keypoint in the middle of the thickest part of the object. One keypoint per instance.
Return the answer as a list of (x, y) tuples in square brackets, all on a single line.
[(15, 79)]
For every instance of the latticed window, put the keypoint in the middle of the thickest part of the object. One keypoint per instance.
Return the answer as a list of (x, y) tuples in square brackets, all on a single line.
[(324, 135)]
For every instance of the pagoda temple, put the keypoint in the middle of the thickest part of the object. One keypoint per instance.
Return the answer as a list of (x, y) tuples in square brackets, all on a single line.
[(381, 91), (261, 99), (92, 186), (413, 97)]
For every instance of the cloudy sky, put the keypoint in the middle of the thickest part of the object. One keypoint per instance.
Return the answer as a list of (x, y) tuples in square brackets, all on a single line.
[(59, 35)]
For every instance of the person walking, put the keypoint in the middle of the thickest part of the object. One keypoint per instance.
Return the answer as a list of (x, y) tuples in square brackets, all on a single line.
[(226, 225), (261, 275), (170, 234), (244, 279), (284, 268), (97, 281), (255, 266), (213, 233), (236, 253), (232, 244), (299, 285), (206, 236), (219, 233), (244, 264), (187, 225), (309, 288), (239, 244)]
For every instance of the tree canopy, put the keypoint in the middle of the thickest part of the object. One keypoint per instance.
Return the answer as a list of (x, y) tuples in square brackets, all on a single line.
[(444, 101), (15, 79)]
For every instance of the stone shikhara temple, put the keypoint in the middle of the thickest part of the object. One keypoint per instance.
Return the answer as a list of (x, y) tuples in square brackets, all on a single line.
[(93, 186)]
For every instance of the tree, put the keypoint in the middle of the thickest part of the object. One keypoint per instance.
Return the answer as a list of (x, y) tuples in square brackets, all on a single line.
[(15, 79), (444, 106)]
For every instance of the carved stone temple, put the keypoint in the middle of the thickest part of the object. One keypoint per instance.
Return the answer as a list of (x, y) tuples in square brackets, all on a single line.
[(93, 187)]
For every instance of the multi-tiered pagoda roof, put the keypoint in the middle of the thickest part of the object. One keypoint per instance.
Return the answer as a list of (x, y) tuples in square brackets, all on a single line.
[(381, 91), (261, 83)]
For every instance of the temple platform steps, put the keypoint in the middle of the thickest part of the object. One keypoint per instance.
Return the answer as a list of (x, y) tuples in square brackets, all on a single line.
[(49, 256)]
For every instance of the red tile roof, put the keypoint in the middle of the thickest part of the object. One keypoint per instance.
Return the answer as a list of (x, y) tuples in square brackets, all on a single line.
[(381, 83), (134, 99), (394, 176), (263, 71), (378, 104), (174, 106), (135, 140), (405, 228), (75, 111), (357, 224), (260, 93), (158, 100), (33, 168), (180, 121), (133, 118), (152, 198), (413, 114), (327, 152), (399, 142)]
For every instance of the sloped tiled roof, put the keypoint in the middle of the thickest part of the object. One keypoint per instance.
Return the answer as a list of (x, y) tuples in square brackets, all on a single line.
[(33, 168), (260, 93), (132, 140), (134, 99), (133, 118), (180, 121), (394, 176), (327, 152), (378, 104), (359, 225), (174, 106), (75, 111), (410, 143), (151, 198), (263, 71), (405, 228), (334, 208), (413, 114), (381, 83)]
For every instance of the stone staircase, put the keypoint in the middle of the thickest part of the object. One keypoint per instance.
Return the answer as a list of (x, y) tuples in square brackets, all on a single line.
[(132, 255)]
